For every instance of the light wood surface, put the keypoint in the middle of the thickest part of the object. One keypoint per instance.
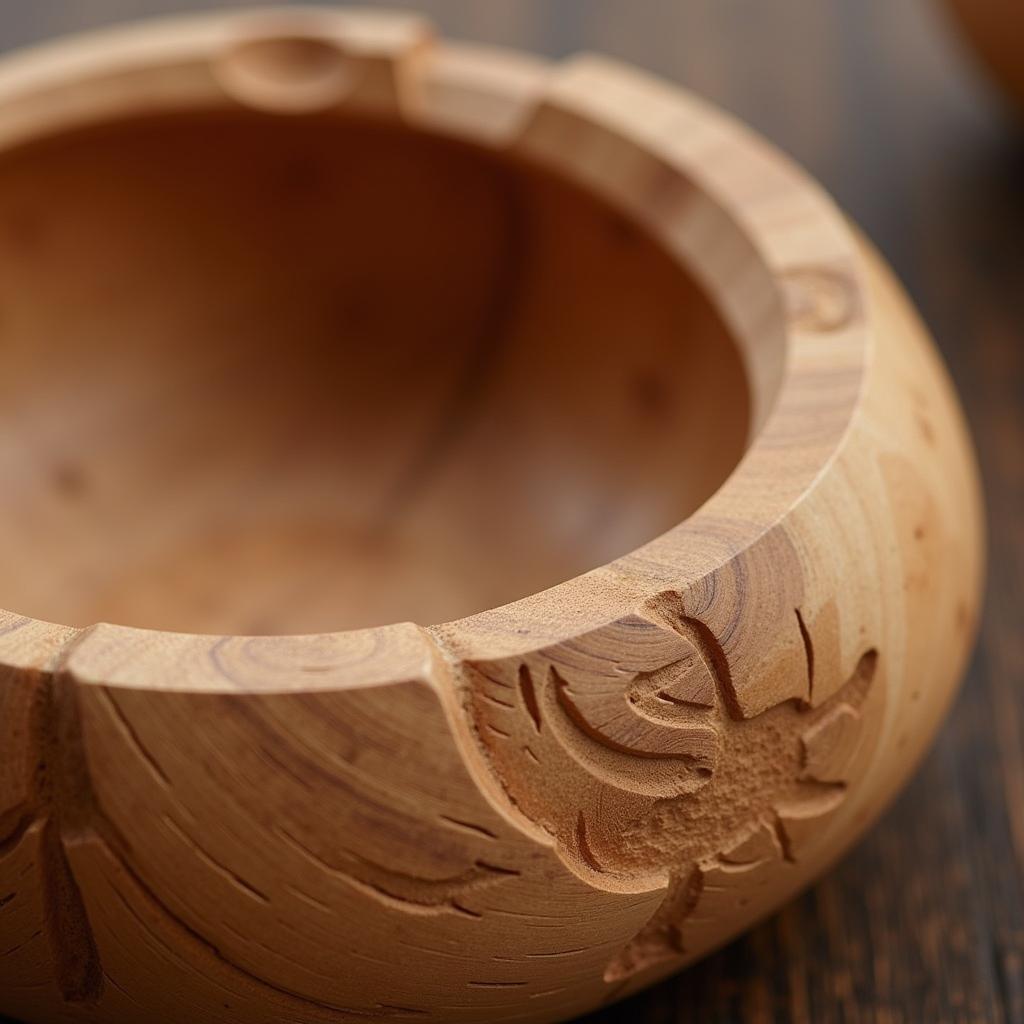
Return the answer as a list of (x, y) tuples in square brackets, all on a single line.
[(502, 322)]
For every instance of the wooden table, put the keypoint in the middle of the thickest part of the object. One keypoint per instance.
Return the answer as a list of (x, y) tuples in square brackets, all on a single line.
[(924, 920)]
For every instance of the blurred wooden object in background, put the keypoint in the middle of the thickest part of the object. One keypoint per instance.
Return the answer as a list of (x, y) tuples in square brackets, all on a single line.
[(995, 29)]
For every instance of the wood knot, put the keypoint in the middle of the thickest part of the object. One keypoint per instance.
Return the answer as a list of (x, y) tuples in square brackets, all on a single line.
[(818, 300)]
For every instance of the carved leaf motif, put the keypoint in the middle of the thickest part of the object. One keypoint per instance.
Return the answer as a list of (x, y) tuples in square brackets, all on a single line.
[(627, 748), (831, 743), (611, 714)]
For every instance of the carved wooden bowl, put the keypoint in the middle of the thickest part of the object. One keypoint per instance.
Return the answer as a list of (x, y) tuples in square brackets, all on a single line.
[(311, 323)]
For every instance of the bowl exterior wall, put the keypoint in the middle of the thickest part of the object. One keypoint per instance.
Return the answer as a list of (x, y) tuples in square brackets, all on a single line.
[(528, 813)]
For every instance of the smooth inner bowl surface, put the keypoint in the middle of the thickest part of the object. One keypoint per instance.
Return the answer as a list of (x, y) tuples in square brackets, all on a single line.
[(270, 374)]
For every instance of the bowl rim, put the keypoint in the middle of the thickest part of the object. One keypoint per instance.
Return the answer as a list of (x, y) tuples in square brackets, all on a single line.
[(772, 251)]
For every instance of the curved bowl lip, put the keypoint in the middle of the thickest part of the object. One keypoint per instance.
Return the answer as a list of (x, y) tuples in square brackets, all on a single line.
[(803, 252)]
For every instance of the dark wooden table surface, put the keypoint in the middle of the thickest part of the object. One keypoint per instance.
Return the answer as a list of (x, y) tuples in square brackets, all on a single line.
[(924, 920)]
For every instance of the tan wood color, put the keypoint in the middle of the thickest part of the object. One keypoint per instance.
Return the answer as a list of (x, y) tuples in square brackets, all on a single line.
[(310, 322)]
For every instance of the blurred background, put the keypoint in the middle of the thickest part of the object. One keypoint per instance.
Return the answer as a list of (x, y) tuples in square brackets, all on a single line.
[(883, 103)]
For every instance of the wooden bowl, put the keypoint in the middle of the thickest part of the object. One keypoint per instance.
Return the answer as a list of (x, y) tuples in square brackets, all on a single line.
[(311, 323)]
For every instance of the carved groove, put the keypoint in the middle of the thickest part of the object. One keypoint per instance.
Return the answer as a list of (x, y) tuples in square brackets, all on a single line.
[(306, 898), (64, 802), (76, 960), (662, 937), (526, 688), (669, 698), (130, 733), (563, 691), (782, 838), (583, 844), (808, 654), (17, 822), (468, 826), (408, 893), (21, 945), (207, 858), (715, 654), (500, 703), (107, 834)]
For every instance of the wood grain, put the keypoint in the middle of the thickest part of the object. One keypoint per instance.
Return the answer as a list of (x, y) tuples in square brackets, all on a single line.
[(923, 921)]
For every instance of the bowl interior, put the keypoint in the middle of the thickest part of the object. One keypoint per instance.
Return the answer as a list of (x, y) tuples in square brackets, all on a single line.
[(285, 374)]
